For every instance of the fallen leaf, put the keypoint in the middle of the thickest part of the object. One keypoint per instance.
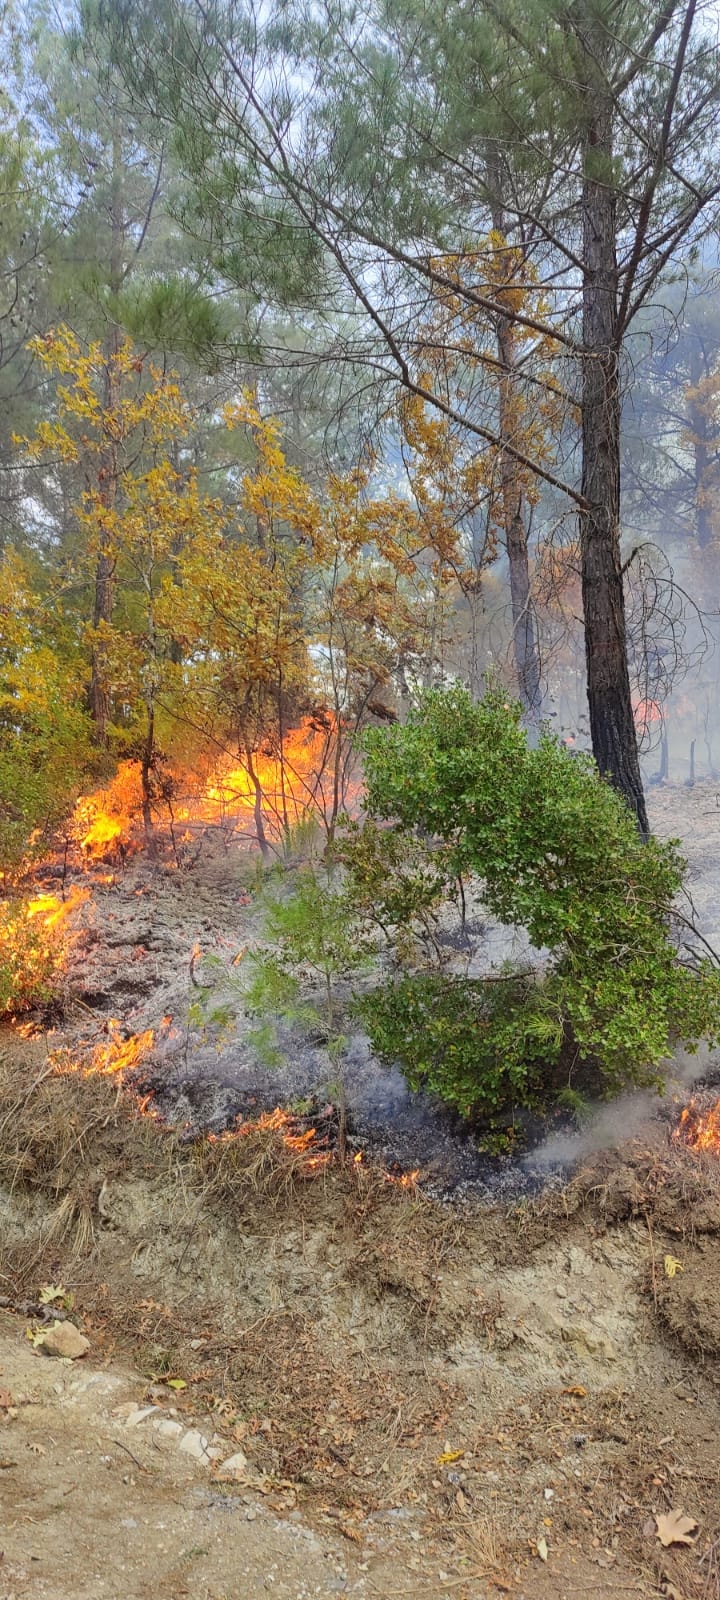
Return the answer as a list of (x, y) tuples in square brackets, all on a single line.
[(176, 1383), (672, 1266), (542, 1549), (576, 1389), (448, 1456), (673, 1527), (52, 1291), (5, 1399)]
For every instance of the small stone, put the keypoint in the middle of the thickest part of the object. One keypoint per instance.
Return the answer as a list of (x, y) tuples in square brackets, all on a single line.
[(64, 1340), (167, 1428), (549, 1494), (236, 1463), (195, 1444), (136, 1417), (250, 1514)]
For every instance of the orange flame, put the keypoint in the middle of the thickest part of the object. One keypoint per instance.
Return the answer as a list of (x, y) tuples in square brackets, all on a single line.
[(304, 1142), (282, 783), (103, 821), (404, 1180), (288, 782), (54, 912), (113, 1058), (645, 712), (700, 1129)]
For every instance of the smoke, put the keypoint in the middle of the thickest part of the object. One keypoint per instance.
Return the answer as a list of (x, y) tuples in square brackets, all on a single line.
[(610, 1125)]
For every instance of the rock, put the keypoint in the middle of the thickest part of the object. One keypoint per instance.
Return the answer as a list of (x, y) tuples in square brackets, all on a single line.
[(64, 1339), (167, 1428), (596, 1344), (236, 1463), (136, 1417), (194, 1444)]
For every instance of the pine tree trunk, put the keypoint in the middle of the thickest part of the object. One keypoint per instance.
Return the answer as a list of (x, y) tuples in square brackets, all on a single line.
[(526, 649), (612, 725), (109, 472), (699, 434)]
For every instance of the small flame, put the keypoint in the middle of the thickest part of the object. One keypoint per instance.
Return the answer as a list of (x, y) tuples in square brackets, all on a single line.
[(54, 912), (700, 1129), (113, 1058), (404, 1180), (304, 1142)]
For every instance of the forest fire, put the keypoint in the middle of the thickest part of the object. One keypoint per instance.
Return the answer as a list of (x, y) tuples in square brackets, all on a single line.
[(259, 796), (52, 912), (308, 773), (700, 1129), (36, 937), (103, 820)]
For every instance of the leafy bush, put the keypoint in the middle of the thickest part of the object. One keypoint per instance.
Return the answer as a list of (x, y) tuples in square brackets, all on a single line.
[(32, 954), (477, 1044), (554, 850)]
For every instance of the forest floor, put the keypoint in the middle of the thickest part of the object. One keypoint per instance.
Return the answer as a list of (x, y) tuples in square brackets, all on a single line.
[(469, 1399)]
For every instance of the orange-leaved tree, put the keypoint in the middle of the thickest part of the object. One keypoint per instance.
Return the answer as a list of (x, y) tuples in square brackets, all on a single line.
[(116, 417)]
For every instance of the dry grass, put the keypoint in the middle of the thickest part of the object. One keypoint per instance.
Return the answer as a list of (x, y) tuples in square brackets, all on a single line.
[(665, 1183)]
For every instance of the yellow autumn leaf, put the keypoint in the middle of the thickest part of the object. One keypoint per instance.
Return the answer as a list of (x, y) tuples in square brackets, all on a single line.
[(672, 1266)]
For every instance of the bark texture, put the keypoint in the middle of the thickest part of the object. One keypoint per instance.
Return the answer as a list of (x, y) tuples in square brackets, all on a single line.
[(612, 724)]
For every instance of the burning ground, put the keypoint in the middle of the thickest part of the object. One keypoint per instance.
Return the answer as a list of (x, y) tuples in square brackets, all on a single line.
[(454, 1392)]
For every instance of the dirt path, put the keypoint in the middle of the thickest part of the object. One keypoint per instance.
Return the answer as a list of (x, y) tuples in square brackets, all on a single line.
[(95, 1504)]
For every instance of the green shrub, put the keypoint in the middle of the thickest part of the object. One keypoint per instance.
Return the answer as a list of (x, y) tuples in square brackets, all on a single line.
[(553, 849), (477, 1045)]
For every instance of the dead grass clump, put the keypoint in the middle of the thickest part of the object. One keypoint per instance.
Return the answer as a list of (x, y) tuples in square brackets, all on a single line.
[(668, 1184), (63, 1136), (267, 1159)]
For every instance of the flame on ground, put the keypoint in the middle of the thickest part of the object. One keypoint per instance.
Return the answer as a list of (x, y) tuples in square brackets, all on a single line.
[(305, 1143), (289, 780), (36, 937), (103, 821), (404, 1180), (646, 712), (700, 1129), (114, 1057), (52, 911), (309, 774)]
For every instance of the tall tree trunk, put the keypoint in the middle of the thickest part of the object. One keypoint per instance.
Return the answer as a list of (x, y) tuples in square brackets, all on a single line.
[(109, 471), (699, 433), (612, 725), (526, 649)]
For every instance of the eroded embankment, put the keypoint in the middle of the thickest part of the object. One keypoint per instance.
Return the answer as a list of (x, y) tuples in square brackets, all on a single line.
[(487, 1379)]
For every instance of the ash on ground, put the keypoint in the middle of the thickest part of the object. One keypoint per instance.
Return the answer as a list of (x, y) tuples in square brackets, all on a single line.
[(135, 964)]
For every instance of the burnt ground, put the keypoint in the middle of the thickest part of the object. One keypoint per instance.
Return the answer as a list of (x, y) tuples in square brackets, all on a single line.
[(151, 934), (471, 1399)]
